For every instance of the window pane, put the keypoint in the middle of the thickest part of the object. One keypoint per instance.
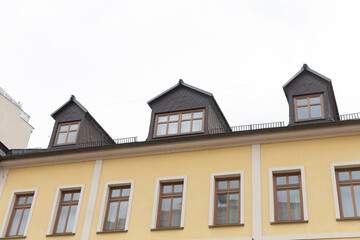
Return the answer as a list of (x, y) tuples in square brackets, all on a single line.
[(125, 192), (76, 196), (163, 119), (315, 111), (221, 209), (355, 174), (176, 212), (222, 185), (64, 128), (282, 206), (62, 218), (185, 126), (71, 219), (295, 207), (167, 188), (29, 200), (234, 208), (198, 114), (357, 199), (67, 197), (294, 179), (15, 222), (343, 176), (161, 129), (173, 128), (302, 113), (24, 221), (122, 215), (177, 188), (21, 200), (347, 203), (301, 102), (197, 125), (110, 222), (71, 137), (61, 138), (174, 117), (234, 183), (74, 126), (281, 180), (314, 100), (185, 116), (165, 212), (115, 193)]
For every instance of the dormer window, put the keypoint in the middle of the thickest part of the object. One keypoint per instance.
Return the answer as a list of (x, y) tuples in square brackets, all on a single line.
[(67, 133), (309, 107), (177, 123)]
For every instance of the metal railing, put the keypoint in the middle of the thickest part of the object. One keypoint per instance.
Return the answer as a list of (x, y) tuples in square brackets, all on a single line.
[(248, 127), (350, 116), (104, 143)]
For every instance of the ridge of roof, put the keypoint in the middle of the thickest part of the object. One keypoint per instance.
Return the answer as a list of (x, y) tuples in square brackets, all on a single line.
[(180, 83), (72, 99), (305, 67)]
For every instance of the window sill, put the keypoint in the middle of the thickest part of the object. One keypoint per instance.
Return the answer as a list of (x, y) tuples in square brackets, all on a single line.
[(115, 231), (60, 235), (347, 219), (15, 237), (300, 221), (168, 228), (227, 225)]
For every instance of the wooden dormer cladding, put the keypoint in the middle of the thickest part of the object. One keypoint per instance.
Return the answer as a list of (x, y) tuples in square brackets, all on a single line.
[(73, 126), (311, 98), (184, 110)]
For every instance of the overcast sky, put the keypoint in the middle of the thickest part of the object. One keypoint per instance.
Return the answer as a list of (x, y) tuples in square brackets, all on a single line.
[(115, 55)]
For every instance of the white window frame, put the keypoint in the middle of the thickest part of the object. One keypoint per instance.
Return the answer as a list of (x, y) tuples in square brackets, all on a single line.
[(11, 206), (293, 169), (334, 167), (108, 185), (231, 174), (55, 208), (159, 181)]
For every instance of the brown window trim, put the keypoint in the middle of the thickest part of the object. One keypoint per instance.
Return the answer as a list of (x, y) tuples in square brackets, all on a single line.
[(115, 199), (171, 195), (65, 203), (179, 122), (350, 183), (16, 206), (288, 187), (67, 133), (227, 192), (307, 97)]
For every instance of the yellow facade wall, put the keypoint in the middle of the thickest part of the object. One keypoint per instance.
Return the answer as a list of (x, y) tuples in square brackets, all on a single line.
[(197, 166), (316, 156), (47, 179)]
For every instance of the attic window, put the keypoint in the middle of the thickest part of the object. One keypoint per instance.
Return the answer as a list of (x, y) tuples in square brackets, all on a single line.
[(309, 107), (178, 123), (67, 133)]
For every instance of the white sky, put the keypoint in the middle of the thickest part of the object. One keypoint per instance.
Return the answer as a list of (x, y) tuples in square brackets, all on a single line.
[(115, 55)]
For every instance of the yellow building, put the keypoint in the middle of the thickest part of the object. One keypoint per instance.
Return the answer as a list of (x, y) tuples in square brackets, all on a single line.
[(194, 178)]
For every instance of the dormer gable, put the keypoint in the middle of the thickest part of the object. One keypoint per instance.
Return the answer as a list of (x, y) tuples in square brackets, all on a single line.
[(184, 110), (311, 98), (74, 126)]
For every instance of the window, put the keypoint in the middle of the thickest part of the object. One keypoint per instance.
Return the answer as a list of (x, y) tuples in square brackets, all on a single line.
[(19, 213), (65, 212), (226, 198), (179, 123), (287, 195), (348, 187), (309, 107), (67, 133), (169, 203), (116, 206)]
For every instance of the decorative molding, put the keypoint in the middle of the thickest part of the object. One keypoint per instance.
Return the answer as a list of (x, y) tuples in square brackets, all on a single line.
[(256, 192)]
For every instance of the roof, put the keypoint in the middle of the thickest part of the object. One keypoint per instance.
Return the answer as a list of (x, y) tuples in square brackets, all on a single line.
[(305, 67), (180, 83), (72, 99)]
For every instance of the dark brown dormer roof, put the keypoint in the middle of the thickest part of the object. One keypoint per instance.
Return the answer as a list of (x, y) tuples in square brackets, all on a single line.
[(184, 97), (89, 130), (308, 82)]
